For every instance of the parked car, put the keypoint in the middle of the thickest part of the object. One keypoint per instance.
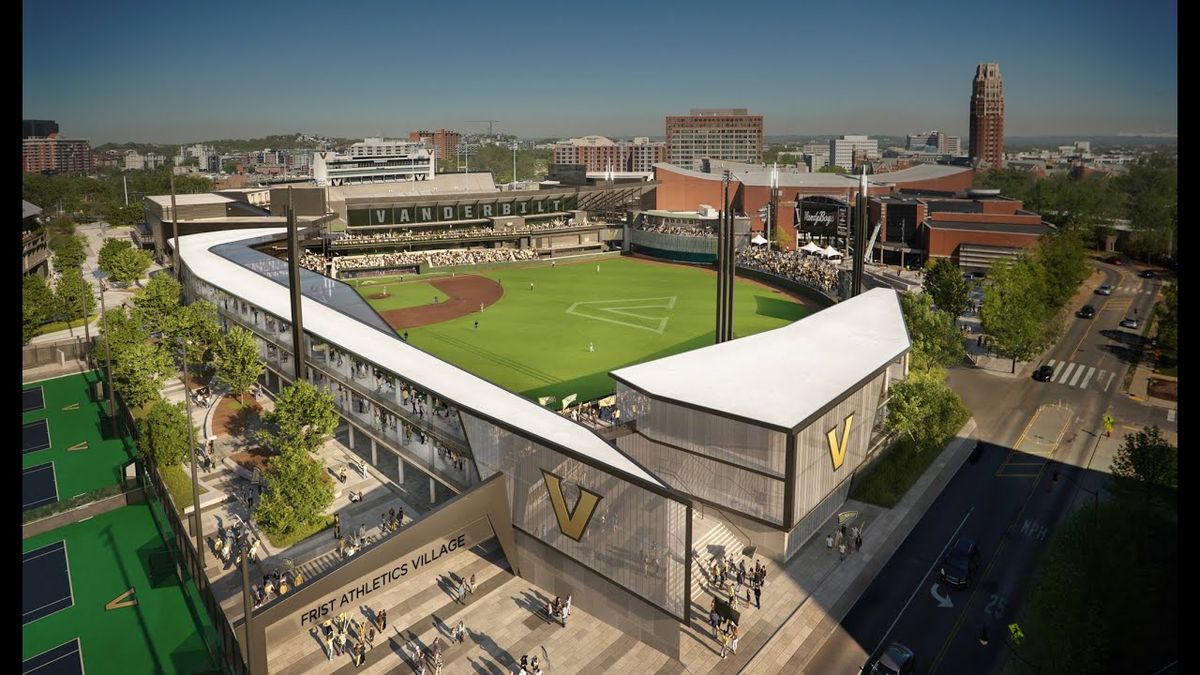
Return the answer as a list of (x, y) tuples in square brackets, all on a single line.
[(1129, 322), (1087, 312), (1115, 261), (959, 562), (895, 660), (1104, 289), (1043, 373), (1146, 274)]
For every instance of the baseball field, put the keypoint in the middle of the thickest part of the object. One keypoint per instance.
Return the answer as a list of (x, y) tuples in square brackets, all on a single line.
[(542, 330)]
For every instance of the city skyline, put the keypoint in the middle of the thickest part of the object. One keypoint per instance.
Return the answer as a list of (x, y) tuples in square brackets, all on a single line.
[(1072, 69)]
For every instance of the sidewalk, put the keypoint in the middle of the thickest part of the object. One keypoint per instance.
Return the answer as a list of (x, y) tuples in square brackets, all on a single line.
[(802, 634)]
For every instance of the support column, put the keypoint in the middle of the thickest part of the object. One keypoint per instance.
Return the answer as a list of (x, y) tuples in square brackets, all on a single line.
[(400, 467), (374, 455), (351, 428), (432, 490)]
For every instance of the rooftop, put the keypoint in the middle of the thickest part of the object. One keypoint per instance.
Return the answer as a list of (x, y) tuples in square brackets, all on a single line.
[(1010, 228), (29, 210), (813, 362), (190, 199), (760, 176)]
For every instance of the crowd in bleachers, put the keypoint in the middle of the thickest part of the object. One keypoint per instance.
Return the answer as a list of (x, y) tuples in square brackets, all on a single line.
[(451, 233), (312, 261), (443, 258), (681, 230), (795, 265)]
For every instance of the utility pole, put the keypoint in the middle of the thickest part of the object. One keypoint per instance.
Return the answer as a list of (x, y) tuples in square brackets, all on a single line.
[(125, 182)]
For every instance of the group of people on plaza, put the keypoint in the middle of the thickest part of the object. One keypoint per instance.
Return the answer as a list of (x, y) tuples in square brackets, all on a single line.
[(529, 666), (558, 610), (229, 544), (842, 540), (795, 265), (347, 635), (460, 586), (725, 630), (276, 585), (681, 230), (735, 581), (593, 414)]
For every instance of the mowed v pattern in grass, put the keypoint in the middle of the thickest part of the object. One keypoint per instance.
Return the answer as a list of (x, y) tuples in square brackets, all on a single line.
[(535, 340)]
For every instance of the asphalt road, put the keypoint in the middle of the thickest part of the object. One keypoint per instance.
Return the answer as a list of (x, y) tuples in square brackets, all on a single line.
[(1003, 497)]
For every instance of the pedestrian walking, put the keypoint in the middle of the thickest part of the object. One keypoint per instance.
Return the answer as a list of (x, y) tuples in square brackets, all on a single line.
[(858, 542), (713, 617), (476, 325), (828, 543), (531, 285), (567, 609), (471, 585), (382, 620), (757, 596), (725, 643), (733, 639), (842, 549), (462, 588)]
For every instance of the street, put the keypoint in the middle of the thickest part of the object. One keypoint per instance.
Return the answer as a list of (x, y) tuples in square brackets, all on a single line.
[(1004, 497)]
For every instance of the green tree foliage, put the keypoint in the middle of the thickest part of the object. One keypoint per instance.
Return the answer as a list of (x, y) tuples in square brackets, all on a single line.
[(37, 305), (1063, 261), (119, 215), (237, 360), (197, 324), (163, 433), (119, 327), (832, 168), (1168, 318), (945, 284), (1013, 317), (1147, 461), (531, 164), (782, 240), (73, 296), (1151, 192), (99, 196), (298, 492), (923, 408), (1013, 183), (935, 339), (157, 302), (108, 252), (139, 370), (129, 265), (71, 251), (304, 417)]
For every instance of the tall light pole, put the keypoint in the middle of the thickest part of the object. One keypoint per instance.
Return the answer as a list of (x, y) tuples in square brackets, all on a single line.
[(773, 213), (174, 228), (101, 275), (187, 398), (514, 149)]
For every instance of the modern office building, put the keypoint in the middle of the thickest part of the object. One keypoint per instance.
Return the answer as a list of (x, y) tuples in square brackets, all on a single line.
[(714, 133), (938, 142), (56, 155), (374, 160), (35, 243), (443, 143), (774, 443), (987, 117), (598, 153), (842, 150)]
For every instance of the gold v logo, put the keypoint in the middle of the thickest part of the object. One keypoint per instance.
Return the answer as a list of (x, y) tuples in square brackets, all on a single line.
[(571, 523), (837, 451)]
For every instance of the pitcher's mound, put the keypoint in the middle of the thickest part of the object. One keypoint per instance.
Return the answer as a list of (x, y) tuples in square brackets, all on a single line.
[(380, 296)]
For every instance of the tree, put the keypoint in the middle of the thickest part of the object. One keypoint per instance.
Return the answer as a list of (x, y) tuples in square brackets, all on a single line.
[(298, 491), (1063, 261), (197, 324), (138, 371), (119, 215), (37, 305), (73, 298), (120, 328), (304, 417), (71, 252), (163, 433), (922, 407), (935, 340), (945, 284), (237, 360), (1148, 461), (108, 252), (831, 168), (129, 265), (1013, 312), (155, 304), (1168, 318)]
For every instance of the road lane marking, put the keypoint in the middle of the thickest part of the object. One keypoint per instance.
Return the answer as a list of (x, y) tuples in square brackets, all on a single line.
[(1076, 378), (1066, 373), (1087, 378), (1057, 370), (920, 584), (1110, 379)]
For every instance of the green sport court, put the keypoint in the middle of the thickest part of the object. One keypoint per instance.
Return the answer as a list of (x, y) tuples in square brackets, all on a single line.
[(536, 342), (162, 627), (71, 433)]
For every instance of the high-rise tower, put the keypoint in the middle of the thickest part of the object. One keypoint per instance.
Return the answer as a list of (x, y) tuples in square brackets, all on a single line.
[(987, 117)]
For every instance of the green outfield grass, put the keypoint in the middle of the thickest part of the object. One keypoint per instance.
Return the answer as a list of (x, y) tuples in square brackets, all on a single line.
[(535, 342), (400, 295), (78, 471), (107, 555)]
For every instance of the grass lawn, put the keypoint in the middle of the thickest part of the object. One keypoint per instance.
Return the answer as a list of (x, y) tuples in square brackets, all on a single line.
[(535, 342), (401, 295), (107, 555), (56, 326), (83, 470), (280, 543), (179, 483)]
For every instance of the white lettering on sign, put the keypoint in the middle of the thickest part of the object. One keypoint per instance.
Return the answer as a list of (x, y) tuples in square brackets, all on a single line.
[(404, 217), (468, 212), (487, 210), (426, 213), (818, 218), (506, 209), (447, 213), (379, 215)]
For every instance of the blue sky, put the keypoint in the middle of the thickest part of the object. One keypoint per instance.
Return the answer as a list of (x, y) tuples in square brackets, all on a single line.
[(175, 72)]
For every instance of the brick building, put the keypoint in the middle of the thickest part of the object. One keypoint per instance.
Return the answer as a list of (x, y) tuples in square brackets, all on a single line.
[(444, 142), (56, 155), (987, 117), (598, 153), (714, 133)]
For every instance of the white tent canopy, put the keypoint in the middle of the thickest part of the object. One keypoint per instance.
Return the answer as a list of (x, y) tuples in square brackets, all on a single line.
[(758, 240), (831, 252), (810, 248)]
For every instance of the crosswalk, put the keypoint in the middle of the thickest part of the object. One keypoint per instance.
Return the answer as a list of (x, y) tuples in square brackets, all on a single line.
[(1136, 289), (1080, 375)]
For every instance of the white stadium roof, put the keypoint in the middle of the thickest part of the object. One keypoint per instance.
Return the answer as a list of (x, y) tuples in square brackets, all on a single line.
[(389, 351), (793, 371)]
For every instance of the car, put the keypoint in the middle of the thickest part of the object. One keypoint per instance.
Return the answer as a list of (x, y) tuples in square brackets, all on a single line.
[(1146, 274), (1129, 322), (973, 276), (1104, 289), (1043, 373), (1087, 312), (960, 561), (1115, 261), (895, 660)]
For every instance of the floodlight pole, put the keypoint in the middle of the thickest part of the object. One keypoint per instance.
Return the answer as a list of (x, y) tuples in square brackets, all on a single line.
[(107, 358), (294, 290), (187, 401), (247, 604)]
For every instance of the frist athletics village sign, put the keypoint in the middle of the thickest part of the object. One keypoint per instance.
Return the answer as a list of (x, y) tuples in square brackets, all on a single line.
[(408, 215)]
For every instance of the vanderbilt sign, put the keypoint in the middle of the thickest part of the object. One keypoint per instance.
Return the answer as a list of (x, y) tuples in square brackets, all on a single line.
[(837, 449), (571, 522), (408, 215)]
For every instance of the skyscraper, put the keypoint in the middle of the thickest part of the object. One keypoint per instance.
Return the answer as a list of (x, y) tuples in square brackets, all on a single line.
[(714, 133), (987, 117)]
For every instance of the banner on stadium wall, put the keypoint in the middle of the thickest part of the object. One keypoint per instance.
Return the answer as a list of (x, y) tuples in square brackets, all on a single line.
[(545, 400), (610, 400), (568, 400), (434, 213), (823, 217)]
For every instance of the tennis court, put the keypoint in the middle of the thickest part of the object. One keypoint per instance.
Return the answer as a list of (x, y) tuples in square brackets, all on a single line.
[(156, 628), (72, 429), (46, 582), (65, 659), (31, 399), (38, 487)]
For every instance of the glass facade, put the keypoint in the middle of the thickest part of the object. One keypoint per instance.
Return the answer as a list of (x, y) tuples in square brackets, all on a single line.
[(636, 538)]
